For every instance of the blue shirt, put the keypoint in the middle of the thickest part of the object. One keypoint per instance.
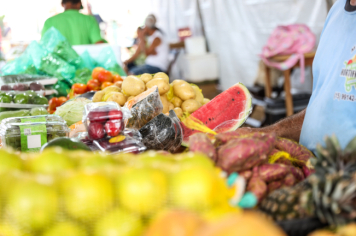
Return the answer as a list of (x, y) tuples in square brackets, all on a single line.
[(332, 107)]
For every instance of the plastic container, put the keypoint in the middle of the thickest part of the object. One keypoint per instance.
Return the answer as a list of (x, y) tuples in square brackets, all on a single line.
[(104, 120), (25, 99), (120, 144), (31, 133), (26, 79)]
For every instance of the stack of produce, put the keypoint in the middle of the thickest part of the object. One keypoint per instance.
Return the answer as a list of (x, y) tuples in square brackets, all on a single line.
[(329, 193), (265, 161), (347, 230), (82, 193), (100, 79)]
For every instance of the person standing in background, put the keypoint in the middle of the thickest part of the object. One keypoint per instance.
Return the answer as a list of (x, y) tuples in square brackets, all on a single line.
[(155, 48), (78, 28)]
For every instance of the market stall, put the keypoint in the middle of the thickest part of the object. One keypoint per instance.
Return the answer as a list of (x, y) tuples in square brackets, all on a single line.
[(117, 155)]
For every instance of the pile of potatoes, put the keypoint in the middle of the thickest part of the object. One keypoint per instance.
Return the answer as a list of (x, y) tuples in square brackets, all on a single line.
[(179, 96)]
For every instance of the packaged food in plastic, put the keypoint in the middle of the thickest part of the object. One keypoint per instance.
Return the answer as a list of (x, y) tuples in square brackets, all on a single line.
[(31, 133), (104, 119), (120, 144), (13, 99), (163, 133), (22, 112), (14, 79), (144, 108)]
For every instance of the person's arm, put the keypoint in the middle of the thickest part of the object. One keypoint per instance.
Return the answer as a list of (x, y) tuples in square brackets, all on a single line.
[(151, 50), (289, 127), (134, 56)]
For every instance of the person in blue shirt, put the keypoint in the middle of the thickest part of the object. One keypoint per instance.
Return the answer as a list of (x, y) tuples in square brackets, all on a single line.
[(332, 107)]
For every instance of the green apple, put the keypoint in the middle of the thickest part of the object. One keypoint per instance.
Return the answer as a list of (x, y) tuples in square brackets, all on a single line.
[(96, 161), (9, 161), (190, 159), (65, 229), (7, 229), (194, 189), (119, 223), (142, 190), (51, 161), (31, 204), (87, 195)]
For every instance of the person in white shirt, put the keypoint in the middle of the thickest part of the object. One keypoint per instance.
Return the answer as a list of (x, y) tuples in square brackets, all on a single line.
[(155, 47)]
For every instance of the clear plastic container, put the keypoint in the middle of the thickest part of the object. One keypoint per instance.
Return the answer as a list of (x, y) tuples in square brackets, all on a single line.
[(104, 119), (32, 132), (22, 99)]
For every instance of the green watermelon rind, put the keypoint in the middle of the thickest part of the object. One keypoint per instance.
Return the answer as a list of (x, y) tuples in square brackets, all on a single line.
[(247, 111)]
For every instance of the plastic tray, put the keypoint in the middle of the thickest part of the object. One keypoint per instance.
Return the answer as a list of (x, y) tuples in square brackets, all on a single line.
[(21, 106)]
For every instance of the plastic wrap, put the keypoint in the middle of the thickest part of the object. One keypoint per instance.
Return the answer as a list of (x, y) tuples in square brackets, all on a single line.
[(31, 133), (14, 99), (144, 108), (107, 60), (104, 119), (120, 144), (163, 133), (88, 61), (53, 41)]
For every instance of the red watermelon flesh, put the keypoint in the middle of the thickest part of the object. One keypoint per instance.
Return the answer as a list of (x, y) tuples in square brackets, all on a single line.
[(226, 112)]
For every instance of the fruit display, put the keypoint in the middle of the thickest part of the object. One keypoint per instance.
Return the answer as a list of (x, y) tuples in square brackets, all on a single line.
[(28, 97), (32, 132), (58, 192), (100, 79), (328, 194), (37, 111), (54, 103), (103, 120), (262, 159), (72, 111), (226, 112)]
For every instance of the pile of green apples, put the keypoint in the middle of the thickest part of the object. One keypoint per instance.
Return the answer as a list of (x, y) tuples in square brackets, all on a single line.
[(65, 193)]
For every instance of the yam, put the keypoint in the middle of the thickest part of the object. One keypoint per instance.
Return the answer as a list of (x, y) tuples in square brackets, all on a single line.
[(200, 142), (290, 180), (274, 185), (247, 174), (257, 186), (294, 149), (272, 172)]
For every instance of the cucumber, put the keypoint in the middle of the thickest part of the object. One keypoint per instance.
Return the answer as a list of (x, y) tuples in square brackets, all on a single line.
[(9, 114)]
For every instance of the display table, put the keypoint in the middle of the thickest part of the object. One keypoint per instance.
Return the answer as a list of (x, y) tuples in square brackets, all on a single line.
[(309, 58)]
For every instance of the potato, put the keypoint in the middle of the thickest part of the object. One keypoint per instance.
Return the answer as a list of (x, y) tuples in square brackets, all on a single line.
[(146, 77), (176, 101), (163, 86), (205, 101), (131, 97), (117, 97), (118, 84), (184, 91), (112, 88), (170, 106), (198, 94), (133, 86), (178, 111), (177, 81), (161, 75), (165, 104), (98, 96), (190, 105)]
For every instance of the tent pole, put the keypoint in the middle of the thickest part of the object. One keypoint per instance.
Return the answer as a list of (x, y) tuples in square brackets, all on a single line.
[(202, 24)]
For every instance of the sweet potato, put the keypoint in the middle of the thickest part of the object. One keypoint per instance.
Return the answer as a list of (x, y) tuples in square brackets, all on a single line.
[(294, 149), (247, 174), (257, 186), (200, 142), (272, 172), (223, 138), (243, 153), (274, 185), (307, 171), (297, 173), (290, 180)]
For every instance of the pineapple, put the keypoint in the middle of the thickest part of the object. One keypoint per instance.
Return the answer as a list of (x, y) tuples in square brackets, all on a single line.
[(329, 194)]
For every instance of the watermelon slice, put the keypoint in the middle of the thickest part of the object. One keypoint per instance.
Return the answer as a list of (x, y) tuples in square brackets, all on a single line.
[(226, 112)]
